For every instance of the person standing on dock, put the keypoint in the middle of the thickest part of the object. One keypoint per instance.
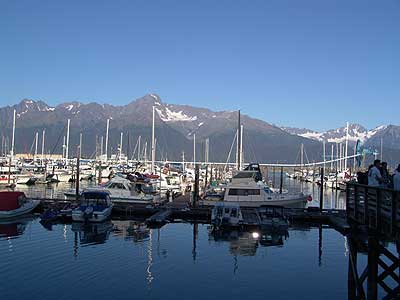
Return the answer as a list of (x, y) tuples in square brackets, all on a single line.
[(374, 174), (396, 179), (384, 174)]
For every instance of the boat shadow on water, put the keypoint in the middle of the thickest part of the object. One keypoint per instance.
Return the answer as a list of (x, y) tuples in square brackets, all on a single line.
[(246, 242)]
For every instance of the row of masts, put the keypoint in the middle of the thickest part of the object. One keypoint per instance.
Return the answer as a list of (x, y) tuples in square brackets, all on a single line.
[(341, 150)]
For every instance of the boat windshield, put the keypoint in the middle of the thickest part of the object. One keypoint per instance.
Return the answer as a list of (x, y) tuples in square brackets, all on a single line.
[(115, 185), (91, 198)]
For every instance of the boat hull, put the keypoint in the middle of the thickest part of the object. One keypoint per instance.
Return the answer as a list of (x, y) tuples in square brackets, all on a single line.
[(96, 216), (292, 203), (24, 209)]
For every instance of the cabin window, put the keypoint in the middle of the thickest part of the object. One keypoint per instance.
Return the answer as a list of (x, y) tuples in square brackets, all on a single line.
[(267, 190), (244, 192), (226, 210)]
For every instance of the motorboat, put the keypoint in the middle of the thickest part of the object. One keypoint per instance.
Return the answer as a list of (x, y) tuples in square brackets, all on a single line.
[(94, 206), (123, 190), (226, 214), (248, 190), (13, 204)]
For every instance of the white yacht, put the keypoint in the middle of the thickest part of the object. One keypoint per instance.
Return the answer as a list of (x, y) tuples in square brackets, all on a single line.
[(123, 190), (248, 190)]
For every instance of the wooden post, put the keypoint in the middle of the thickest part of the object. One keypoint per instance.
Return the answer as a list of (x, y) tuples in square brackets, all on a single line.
[(378, 209), (281, 182), (99, 179), (196, 186), (206, 180), (355, 203), (372, 281), (78, 158), (393, 226), (321, 191), (351, 282), (366, 210)]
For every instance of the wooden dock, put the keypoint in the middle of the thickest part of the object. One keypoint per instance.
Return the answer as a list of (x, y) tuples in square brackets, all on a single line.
[(181, 209), (376, 208)]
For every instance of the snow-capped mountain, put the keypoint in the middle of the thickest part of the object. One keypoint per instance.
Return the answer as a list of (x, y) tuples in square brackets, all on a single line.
[(175, 128), (356, 132)]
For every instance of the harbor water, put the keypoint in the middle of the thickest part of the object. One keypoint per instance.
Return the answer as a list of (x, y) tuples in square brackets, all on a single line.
[(124, 259), (119, 260)]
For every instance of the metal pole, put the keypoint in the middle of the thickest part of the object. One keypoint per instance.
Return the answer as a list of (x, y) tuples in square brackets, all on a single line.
[(67, 147), (153, 148), (281, 182), (194, 149), (78, 159), (43, 134), (196, 186), (36, 145), (106, 146), (321, 191), (347, 145), (80, 144), (13, 136)]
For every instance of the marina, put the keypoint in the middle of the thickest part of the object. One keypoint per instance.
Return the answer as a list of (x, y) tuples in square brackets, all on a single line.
[(199, 150)]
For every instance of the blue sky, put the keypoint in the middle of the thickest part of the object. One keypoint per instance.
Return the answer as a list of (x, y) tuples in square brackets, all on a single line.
[(313, 64)]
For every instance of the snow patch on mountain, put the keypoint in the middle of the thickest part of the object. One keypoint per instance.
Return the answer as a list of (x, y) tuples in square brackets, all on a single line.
[(338, 135), (312, 135), (174, 116)]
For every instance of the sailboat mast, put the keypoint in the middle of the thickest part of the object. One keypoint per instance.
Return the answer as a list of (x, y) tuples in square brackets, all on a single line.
[(302, 156), (36, 145), (238, 158), (138, 154), (153, 148), (43, 134), (241, 148), (120, 147), (13, 137), (194, 150), (80, 145), (107, 129), (67, 147), (347, 145)]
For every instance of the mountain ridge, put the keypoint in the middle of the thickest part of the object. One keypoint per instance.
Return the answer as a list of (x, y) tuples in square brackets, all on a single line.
[(176, 125)]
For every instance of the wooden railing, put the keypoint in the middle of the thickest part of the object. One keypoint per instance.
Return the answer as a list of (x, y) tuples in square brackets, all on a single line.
[(375, 207)]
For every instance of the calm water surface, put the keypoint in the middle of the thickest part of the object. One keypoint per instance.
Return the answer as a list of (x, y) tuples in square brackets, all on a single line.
[(126, 260)]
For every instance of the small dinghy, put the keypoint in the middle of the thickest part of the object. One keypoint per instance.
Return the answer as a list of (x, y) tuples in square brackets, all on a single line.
[(13, 204)]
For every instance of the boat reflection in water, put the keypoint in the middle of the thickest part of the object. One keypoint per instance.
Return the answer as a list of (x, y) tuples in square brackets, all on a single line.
[(246, 243), (13, 228), (131, 230), (91, 233)]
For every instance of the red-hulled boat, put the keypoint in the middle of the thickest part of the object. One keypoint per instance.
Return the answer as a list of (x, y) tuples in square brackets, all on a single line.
[(14, 204)]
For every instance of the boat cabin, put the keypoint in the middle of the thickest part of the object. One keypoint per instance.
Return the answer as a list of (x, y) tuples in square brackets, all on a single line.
[(226, 214), (98, 199)]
